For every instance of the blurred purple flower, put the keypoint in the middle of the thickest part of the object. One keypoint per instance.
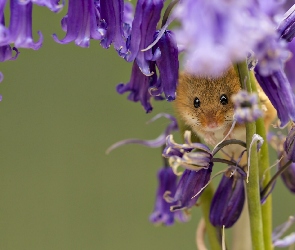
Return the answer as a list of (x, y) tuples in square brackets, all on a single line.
[(286, 28), (53, 5), (278, 89), (189, 188), (217, 33), (81, 23), (271, 54), (228, 200), (167, 183), (147, 15), (246, 107), (20, 29)]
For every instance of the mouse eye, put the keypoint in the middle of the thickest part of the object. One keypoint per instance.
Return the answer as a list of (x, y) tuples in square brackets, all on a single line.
[(223, 99), (197, 102)]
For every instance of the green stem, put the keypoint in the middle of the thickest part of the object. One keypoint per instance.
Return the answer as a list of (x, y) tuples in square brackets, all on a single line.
[(252, 188), (205, 202), (263, 162)]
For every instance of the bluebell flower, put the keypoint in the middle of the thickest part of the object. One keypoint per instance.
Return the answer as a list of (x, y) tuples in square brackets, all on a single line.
[(112, 14), (162, 215), (216, 33), (147, 15), (20, 28), (246, 107), (189, 188), (81, 23), (228, 200), (192, 156), (138, 86), (168, 65), (278, 89), (53, 5)]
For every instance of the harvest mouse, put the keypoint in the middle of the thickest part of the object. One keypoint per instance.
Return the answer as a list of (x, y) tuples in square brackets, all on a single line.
[(205, 105)]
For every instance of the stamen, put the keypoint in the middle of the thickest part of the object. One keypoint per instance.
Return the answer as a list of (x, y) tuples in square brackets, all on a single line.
[(255, 138)]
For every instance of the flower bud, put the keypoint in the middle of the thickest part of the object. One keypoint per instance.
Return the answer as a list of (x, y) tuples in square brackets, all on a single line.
[(228, 201)]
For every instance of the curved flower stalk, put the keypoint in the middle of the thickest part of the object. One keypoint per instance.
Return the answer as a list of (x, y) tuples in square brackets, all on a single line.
[(162, 215), (228, 200), (158, 142)]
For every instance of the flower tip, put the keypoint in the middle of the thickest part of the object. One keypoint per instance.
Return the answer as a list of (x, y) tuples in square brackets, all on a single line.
[(1, 78), (170, 98)]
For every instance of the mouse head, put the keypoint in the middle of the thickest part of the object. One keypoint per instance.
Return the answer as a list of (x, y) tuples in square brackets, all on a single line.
[(205, 103)]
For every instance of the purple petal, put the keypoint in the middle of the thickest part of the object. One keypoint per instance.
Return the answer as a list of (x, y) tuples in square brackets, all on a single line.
[(6, 53), (147, 15), (53, 5), (228, 202), (167, 182), (277, 87), (138, 87), (190, 184), (286, 28), (168, 65), (112, 14), (81, 24), (20, 28)]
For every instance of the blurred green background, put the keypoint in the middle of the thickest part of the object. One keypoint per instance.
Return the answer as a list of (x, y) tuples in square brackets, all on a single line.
[(58, 188)]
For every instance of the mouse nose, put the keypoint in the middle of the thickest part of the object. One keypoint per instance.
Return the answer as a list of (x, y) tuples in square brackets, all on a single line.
[(212, 125)]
